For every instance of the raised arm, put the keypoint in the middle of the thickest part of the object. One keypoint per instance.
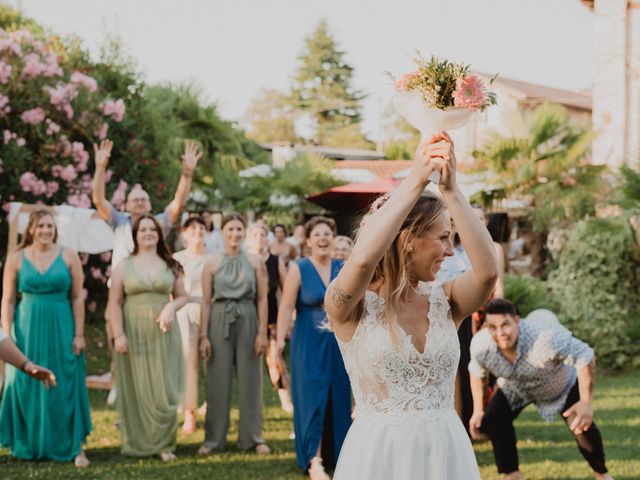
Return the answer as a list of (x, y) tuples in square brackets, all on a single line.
[(98, 194), (114, 308), (468, 292), (376, 236), (77, 299), (189, 162), (287, 304), (9, 288)]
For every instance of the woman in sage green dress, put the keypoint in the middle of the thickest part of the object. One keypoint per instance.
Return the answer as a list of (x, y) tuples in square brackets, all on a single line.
[(234, 337), (149, 364), (47, 324)]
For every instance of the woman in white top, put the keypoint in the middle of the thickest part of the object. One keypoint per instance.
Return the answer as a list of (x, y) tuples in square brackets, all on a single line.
[(396, 328), (192, 259)]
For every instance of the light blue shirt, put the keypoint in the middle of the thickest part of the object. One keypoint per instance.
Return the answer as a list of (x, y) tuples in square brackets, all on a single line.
[(454, 266)]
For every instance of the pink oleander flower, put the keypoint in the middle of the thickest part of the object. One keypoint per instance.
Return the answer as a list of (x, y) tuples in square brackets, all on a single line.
[(51, 68), (86, 81), (92, 306), (8, 136), (1, 165), (80, 155), (84, 258), (5, 72), (62, 96), (114, 109), (85, 292), (32, 66), (6, 207), (96, 273), (56, 170), (27, 181), (35, 116), (21, 142), (39, 187), (101, 133), (4, 105), (52, 127), (469, 93), (68, 173), (105, 257), (85, 183), (107, 176), (65, 147), (52, 188)]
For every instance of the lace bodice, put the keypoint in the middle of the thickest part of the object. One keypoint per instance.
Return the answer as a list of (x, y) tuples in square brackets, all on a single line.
[(399, 381)]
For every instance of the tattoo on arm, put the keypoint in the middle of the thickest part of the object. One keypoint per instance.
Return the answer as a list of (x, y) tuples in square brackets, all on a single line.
[(339, 297)]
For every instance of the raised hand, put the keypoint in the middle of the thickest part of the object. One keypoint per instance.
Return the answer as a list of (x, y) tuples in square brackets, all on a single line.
[(102, 153), (429, 156), (45, 375), (450, 164), (190, 158)]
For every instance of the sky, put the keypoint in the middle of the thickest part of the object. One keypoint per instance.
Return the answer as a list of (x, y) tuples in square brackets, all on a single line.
[(232, 49)]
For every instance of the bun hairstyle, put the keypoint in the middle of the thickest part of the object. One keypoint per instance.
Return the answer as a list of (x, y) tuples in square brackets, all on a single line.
[(392, 272), (161, 248), (34, 218)]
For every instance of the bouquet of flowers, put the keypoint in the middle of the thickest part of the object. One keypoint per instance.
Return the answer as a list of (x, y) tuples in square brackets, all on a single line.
[(439, 95)]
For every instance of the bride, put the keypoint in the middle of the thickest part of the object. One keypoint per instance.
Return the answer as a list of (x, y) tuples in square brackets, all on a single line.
[(397, 329)]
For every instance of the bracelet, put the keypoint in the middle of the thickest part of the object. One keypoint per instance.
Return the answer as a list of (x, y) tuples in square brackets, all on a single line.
[(24, 365)]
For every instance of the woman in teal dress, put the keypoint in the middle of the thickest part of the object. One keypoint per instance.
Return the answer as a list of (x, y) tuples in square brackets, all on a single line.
[(148, 346), (47, 324), (319, 383)]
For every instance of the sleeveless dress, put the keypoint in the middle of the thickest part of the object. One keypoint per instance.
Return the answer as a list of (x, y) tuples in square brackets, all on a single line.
[(406, 426), (36, 423), (319, 382), (149, 378)]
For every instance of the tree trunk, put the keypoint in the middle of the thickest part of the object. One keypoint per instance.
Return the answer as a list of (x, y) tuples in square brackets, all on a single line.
[(536, 243)]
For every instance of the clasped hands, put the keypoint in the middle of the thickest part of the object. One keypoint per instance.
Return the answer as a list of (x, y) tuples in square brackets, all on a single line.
[(437, 154)]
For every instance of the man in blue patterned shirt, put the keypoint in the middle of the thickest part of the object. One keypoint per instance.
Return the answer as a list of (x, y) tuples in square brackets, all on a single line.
[(536, 361)]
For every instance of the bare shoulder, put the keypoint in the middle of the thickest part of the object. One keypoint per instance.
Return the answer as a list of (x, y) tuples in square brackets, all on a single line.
[(69, 255)]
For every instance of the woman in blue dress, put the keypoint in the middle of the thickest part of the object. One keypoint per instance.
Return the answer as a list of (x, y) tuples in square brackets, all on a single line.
[(47, 324), (319, 382)]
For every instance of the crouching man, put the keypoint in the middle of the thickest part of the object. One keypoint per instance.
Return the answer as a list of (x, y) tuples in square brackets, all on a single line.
[(536, 360)]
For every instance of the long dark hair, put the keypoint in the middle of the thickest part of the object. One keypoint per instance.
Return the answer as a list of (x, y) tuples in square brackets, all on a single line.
[(34, 218), (162, 249)]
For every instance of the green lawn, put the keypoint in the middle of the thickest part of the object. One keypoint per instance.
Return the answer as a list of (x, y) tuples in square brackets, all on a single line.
[(547, 451)]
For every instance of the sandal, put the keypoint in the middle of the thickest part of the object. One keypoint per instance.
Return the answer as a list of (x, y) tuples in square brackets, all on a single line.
[(262, 449), (168, 456), (81, 460)]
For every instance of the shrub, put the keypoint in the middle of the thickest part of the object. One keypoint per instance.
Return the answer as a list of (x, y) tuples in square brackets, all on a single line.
[(597, 281), (529, 293)]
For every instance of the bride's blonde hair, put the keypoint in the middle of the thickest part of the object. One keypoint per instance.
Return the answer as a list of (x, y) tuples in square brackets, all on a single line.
[(392, 273)]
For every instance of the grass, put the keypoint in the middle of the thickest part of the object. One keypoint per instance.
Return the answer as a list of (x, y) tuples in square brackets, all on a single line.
[(547, 451)]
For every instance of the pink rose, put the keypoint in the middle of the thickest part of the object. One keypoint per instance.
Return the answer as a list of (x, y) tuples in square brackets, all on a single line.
[(34, 116)]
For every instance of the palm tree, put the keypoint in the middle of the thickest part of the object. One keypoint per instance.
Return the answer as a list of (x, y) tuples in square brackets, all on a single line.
[(548, 164)]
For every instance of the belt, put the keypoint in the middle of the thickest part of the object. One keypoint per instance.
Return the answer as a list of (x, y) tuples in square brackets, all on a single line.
[(231, 311)]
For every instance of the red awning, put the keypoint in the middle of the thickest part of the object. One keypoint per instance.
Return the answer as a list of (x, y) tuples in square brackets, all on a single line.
[(353, 197)]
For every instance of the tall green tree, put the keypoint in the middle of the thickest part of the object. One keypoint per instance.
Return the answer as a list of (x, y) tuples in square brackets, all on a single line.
[(548, 164), (322, 86), (271, 118)]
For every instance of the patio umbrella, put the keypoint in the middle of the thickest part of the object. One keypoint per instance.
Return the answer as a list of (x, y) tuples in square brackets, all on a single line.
[(353, 197)]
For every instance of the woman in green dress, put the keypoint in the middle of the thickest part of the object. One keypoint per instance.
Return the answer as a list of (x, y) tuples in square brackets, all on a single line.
[(47, 324), (234, 337), (149, 364)]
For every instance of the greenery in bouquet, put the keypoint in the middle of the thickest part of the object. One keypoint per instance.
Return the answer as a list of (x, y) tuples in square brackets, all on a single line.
[(444, 85)]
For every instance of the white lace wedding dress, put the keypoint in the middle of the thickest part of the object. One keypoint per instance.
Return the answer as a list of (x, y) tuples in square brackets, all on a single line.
[(405, 424)]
